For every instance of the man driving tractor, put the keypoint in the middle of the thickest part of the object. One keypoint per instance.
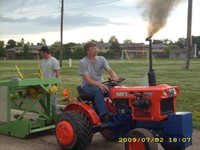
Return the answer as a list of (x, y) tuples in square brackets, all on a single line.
[(91, 69)]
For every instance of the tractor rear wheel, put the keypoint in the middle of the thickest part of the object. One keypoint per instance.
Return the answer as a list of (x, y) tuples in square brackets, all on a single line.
[(74, 131), (138, 139)]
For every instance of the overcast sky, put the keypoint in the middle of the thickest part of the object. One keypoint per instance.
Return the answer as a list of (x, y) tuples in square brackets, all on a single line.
[(89, 19)]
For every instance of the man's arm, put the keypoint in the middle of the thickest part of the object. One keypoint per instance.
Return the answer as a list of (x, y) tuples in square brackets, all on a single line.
[(112, 74), (57, 72), (56, 67), (110, 71)]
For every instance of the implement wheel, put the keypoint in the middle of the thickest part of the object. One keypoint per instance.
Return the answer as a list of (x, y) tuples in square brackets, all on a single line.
[(140, 139), (74, 131)]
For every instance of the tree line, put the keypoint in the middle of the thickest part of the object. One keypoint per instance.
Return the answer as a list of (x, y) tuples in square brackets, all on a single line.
[(114, 49)]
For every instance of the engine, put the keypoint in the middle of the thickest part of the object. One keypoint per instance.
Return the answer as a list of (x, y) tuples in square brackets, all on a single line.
[(145, 102), (122, 105)]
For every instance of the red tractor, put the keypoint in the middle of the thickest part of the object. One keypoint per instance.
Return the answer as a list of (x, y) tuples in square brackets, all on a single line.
[(143, 116)]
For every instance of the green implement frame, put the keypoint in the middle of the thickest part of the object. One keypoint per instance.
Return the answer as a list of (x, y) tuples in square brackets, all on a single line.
[(26, 106)]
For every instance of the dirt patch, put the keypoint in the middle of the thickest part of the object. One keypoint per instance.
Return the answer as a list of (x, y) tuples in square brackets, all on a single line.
[(47, 141)]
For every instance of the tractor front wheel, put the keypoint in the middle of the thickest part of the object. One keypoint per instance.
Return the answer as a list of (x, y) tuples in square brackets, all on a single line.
[(140, 139), (74, 131)]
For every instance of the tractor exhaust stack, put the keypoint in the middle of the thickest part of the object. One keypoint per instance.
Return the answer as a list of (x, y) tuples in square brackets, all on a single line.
[(151, 74)]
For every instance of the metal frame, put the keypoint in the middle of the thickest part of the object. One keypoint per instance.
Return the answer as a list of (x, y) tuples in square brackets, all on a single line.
[(19, 125)]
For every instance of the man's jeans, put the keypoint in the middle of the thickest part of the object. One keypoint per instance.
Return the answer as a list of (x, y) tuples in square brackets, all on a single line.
[(54, 104), (98, 96)]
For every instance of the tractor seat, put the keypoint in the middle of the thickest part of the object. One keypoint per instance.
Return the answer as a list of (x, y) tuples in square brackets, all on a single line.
[(84, 97)]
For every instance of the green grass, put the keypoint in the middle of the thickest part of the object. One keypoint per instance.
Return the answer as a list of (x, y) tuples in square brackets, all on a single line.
[(167, 71)]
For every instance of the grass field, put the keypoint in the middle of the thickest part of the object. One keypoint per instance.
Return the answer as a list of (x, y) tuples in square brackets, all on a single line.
[(167, 71)]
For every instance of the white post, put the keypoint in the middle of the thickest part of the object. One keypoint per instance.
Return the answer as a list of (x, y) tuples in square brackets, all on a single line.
[(195, 50), (127, 56), (122, 55), (70, 62)]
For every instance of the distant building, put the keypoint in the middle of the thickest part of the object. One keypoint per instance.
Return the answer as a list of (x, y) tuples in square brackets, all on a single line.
[(137, 50), (13, 52), (134, 49), (178, 53), (132, 46), (72, 48), (102, 47)]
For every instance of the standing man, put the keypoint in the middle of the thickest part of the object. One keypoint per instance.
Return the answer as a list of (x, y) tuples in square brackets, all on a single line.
[(50, 69), (91, 69)]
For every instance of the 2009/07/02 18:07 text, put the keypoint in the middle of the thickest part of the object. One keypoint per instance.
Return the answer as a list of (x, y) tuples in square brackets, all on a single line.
[(156, 139)]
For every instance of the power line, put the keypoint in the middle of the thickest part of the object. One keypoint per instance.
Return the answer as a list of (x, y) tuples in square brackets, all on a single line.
[(95, 4), (67, 9), (35, 14)]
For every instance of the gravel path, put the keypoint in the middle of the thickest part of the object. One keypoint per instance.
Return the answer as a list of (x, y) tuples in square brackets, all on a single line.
[(47, 141)]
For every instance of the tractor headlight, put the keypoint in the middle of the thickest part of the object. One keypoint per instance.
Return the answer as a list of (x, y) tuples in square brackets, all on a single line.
[(165, 93), (172, 92), (175, 92), (121, 94)]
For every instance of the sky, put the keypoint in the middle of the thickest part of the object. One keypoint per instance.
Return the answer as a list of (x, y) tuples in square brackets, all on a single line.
[(84, 20)]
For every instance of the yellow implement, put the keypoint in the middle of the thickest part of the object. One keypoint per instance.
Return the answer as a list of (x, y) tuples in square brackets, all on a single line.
[(40, 72), (19, 72)]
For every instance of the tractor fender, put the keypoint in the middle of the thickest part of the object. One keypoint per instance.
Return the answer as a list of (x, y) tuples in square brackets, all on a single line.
[(85, 109)]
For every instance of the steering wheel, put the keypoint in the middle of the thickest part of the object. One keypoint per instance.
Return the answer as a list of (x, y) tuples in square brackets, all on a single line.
[(113, 83)]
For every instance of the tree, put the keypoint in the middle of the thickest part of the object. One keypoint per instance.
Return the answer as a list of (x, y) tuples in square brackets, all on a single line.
[(166, 41), (21, 43), (2, 49), (173, 46), (78, 53), (157, 42), (196, 40), (167, 51), (43, 42), (113, 39), (111, 54), (128, 41), (169, 48), (67, 53), (92, 40), (55, 48), (10, 44), (101, 41), (26, 51), (114, 44), (28, 43), (181, 43)]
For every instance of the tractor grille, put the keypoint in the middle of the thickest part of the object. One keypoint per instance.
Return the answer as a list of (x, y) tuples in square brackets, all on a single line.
[(167, 106), (119, 102)]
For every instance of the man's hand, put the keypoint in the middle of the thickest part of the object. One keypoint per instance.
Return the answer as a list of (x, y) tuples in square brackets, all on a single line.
[(103, 87), (115, 78), (112, 74)]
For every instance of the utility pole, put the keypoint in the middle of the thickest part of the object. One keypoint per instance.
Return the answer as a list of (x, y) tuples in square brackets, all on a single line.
[(61, 33), (189, 37)]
